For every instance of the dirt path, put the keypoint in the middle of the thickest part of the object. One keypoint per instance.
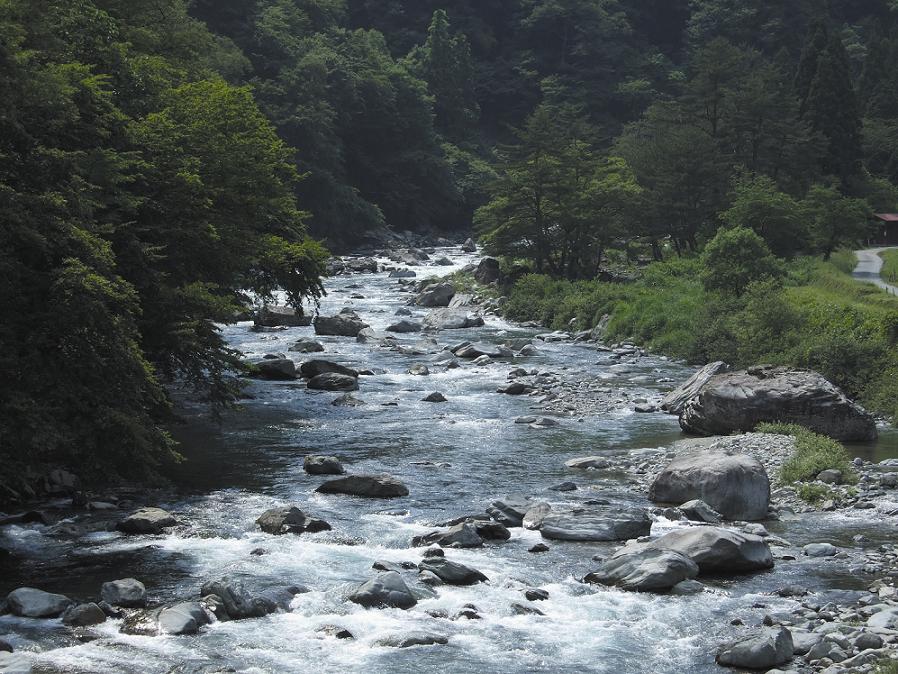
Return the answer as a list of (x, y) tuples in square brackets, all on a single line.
[(869, 265)]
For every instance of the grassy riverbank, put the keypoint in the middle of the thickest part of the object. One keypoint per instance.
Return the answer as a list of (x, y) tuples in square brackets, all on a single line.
[(817, 317), (889, 271)]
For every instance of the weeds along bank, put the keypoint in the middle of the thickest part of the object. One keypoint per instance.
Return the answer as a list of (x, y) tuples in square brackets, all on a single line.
[(812, 315)]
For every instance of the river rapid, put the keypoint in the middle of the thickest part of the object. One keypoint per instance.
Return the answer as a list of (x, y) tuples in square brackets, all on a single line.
[(455, 457)]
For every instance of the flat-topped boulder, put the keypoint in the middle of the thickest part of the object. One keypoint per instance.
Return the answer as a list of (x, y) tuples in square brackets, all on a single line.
[(717, 551), (147, 521), (312, 368), (645, 570), (370, 486), (289, 520), (29, 602), (386, 590), (739, 401), (597, 523), (342, 325), (277, 315), (333, 381), (735, 485)]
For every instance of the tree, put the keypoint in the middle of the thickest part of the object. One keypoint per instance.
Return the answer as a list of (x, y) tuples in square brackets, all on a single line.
[(734, 259), (773, 215), (835, 220)]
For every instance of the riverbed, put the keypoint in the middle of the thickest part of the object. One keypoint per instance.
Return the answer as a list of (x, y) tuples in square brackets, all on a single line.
[(455, 457)]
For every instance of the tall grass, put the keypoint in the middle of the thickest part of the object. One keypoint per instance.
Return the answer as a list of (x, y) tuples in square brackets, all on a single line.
[(813, 453)]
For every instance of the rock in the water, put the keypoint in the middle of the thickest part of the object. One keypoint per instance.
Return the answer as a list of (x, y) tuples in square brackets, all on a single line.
[(645, 570), (597, 524), (436, 295), (675, 400), (735, 485), (332, 381), (452, 319), (127, 593), (463, 535), (307, 346), (699, 511), (435, 397), (240, 603), (739, 401), (29, 602), (183, 618), (820, 550), (509, 511), (371, 486), (419, 370), (271, 316), (386, 590), (487, 270), (717, 550), (409, 639), (341, 325), (289, 520), (318, 464), (762, 649), (495, 351), (146, 521), (469, 246), (312, 368), (405, 326), (452, 573), (535, 516), (587, 463), (83, 615), (275, 369), (5, 647)]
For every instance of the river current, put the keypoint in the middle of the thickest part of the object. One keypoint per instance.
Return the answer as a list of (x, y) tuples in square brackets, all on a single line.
[(455, 457)]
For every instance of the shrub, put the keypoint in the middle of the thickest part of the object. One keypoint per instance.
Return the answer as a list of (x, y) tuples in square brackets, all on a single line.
[(734, 259), (813, 493), (813, 453)]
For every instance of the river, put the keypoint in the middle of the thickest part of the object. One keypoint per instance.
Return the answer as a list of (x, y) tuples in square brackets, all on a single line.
[(455, 457)]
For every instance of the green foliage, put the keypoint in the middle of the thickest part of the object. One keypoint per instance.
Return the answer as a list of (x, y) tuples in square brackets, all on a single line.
[(814, 494), (813, 453), (775, 216), (886, 667), (734, 259)]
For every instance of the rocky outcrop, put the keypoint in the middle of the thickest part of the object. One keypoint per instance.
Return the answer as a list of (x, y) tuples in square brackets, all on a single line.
[(762, 649), (436, 295), (370, 486), (318, 464), (342, 325), (29, 602), (312, 368), (717, 550), (333, 381), (289, 520), (739, 401), (675, 400), (597, 523), (127, 593), (386, 590), (147, 521), (277, 315), (451, 319), (645, 570), (735, 485)]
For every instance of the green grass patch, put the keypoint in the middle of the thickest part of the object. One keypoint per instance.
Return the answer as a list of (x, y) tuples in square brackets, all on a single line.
[(887, 667), (889, 272), (814, 494), (813, 453)]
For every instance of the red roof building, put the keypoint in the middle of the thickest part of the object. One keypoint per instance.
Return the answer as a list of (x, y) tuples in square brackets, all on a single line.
[(886, 230)]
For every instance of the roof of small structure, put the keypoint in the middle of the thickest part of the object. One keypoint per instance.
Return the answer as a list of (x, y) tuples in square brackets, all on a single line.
[(887, 217)]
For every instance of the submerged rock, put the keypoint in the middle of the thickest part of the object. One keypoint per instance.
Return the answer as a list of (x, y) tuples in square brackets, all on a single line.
[(386, 590), (371, 486), (735, 485), (409, 639), (739, 401), (147, 521)]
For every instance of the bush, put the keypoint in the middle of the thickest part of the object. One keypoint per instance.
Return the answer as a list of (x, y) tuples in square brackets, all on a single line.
[(734, 259), (813, 493), (813, 453)]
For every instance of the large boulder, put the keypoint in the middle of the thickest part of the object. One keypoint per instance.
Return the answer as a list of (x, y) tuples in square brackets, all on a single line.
[(276, 369), (341, 325), (127, 593), (333, 381), (307, 346), (762, 649), (469, 246), (370, 486), (451, 573), (184, 618), (510, 510), (289, 520), (436, 295), (405, 326), (451, 319), (675, 400), (312, 368), (147, 521), (317, 464), (717, 551), (597, 523), (83, 615), (487, 271), (386, 590), (735, 485), (462, 535), (272, 316), (739, 401), (483, 349), (240, 603), (29, 602), (409, 639), (645, 570)]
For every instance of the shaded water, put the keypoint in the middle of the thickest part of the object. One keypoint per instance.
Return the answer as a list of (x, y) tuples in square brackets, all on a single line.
[(253, 461)]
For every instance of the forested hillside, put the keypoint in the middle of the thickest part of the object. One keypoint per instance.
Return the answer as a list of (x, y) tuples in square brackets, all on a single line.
[(159, 156)]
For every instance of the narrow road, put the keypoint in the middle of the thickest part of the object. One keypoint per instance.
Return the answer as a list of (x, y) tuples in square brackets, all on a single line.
[(869, 264)]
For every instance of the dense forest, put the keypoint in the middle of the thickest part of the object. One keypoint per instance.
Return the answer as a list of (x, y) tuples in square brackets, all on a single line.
[(159, 157)]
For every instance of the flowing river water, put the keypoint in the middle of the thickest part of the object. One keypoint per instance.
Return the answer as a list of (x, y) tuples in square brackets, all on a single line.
[(455, 457)]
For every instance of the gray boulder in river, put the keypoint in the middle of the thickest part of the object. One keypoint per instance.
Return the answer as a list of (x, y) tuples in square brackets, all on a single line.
[(341, 325), (289, 520), (371, 486), (272, 316), (714, 549), (386, 590), (739, 401), (29, 602), (240, 603), (333, 381), (675, 400), (318, 464), (645, 570), (597, 524), (312, 368), (735, 485), (451, 319), (127, 593), (436, 295), (762, 649), (451, 573), (275, 369), (146, 521)]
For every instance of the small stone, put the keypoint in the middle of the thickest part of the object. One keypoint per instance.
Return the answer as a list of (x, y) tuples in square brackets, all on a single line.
[(539, 547)]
